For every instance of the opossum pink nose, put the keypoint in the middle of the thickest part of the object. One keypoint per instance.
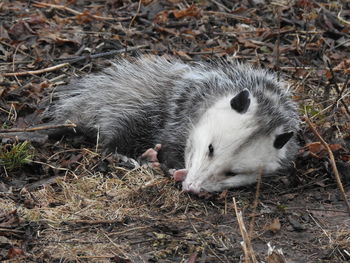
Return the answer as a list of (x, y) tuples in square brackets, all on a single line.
[(180, 175)]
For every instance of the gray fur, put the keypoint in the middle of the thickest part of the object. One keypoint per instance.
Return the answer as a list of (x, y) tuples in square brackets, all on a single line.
[(137, 104)]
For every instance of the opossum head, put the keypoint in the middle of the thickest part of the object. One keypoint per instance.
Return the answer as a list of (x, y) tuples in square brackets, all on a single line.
[(225, 148)]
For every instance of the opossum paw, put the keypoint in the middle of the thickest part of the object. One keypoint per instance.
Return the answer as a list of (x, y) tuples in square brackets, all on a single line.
[(179, 175), (150, 157)]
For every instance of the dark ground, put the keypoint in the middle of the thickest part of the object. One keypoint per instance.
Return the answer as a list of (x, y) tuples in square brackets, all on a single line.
[(69, 204)]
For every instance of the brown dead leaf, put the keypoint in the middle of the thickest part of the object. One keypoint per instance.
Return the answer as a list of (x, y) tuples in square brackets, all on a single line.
[(192, 258), (84, 17), (14, 252), (275, 226), (73, 159), (36, 19), (18, 31), (161, 17), (146, 2), (335, 147), (343, 66), (345, 158), (276, 257), (305, 4), (328, 74), (223, 195), (315, 147), (191, 11)]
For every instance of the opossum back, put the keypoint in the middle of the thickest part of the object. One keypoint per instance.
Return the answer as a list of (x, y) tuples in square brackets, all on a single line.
[(124, 103)]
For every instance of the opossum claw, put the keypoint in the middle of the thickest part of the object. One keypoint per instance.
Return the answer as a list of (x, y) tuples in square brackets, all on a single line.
[(126, 162)]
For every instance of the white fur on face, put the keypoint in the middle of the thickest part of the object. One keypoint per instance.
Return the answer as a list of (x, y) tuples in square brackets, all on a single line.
[(226, 130)]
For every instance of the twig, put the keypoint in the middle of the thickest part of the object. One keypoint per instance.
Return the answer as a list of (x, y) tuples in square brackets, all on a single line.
[(43, 182), (39, 4), (228, 15), (137, 12), (342, 19), (92, 222), (118, 247), (332, 161), (337, 87), (323, 230), (255, 204), (249, 255), (314, 209), (20, 51), (103, 54), (51, 166), (158, 27), (67, 62), (221, 6), (35, 72), (47, 127), (276, 49), (11, 230), (340, 95)]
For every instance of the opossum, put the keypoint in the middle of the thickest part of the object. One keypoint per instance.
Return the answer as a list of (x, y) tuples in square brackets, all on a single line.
[(221, 124)]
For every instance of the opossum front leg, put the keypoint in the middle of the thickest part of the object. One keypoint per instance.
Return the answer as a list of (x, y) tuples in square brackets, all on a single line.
[(151, 157)]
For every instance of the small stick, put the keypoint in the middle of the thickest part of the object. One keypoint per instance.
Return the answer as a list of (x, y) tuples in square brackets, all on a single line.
[(39, 4), (229, 15), (103, 54), (35, 72), (221, 6), (48, 127), (249, 255), (255, 204), (137, 12), (11, 230), (167, 30), (71, 61), (92, 222), (333, 79), (332, 161), (342, 19)]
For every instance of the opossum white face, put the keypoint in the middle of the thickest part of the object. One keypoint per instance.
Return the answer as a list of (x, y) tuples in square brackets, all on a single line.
[(225, 150)]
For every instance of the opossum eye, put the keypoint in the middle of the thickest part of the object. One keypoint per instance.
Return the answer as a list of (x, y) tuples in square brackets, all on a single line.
[(211, 150), (282, 139), (230, 174)]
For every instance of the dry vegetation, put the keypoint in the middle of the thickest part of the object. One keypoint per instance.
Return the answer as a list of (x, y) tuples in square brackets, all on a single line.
[(62, 201)]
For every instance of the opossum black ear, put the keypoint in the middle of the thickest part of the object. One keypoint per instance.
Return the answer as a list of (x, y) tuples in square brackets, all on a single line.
[(282, 139), (241, 101)]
